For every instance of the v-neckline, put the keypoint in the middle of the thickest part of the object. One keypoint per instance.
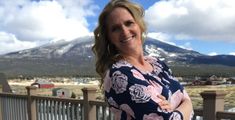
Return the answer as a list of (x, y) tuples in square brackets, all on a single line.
[(142, 71)]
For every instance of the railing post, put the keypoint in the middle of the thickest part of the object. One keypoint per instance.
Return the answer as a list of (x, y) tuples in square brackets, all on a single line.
[(4, 83), (0, 103), (31, 104), (89, 111), (213, 101), (1, 88)]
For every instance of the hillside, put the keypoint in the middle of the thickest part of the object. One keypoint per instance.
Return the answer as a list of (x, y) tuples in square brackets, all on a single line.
[(75, 58)]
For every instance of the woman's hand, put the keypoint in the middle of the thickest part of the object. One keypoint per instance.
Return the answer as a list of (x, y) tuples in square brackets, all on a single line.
[(165, 104)]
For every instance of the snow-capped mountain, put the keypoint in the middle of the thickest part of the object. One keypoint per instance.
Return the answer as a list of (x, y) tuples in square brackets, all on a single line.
[(176, 55), (56, 50), (81, 48), (76, 58)]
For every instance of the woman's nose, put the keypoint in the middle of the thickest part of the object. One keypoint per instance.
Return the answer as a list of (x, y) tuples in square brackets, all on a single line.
[(125, 30)]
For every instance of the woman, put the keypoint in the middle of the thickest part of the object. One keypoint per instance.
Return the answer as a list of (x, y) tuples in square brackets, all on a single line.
[(136, 87)]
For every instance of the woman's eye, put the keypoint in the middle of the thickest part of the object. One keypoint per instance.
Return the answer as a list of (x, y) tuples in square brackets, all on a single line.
[(114, 29), (129, 23)]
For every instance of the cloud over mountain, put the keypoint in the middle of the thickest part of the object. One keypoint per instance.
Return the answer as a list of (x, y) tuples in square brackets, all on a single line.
[(193, 19), (25, 23)]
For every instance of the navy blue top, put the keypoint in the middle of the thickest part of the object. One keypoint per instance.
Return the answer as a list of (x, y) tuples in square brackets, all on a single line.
[(132, 93)]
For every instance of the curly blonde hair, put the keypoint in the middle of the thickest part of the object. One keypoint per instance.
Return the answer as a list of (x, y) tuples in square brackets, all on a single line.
[(105, 52)]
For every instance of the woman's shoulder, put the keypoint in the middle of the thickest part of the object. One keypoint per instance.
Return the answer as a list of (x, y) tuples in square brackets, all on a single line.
[(121, 64), (155, 60), (151, 58)]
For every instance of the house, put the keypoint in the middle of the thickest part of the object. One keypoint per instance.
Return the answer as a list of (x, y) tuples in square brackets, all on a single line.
[(198, 82), (213, 78), (231, 80), (61, 92), (42, 84)]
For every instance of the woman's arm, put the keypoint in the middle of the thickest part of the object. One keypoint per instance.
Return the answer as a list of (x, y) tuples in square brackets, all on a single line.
[(186, 108)]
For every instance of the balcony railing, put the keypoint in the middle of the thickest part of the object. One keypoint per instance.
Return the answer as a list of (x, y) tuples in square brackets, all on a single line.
[(32, 107)]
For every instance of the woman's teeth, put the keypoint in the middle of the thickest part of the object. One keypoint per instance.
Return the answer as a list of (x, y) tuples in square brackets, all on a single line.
[(128, 39)]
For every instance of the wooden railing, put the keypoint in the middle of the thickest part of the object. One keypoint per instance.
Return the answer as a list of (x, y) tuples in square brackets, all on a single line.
[(32, 107), (213, 107), (13, 107)]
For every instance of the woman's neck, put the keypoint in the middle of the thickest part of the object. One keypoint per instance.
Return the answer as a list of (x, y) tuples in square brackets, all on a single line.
[(135, 59), (139, 62)]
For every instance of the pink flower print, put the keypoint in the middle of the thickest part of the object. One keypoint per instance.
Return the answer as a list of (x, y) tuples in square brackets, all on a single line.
[(119, 81), (157, 69), (127, 109), (128, 117), (107, 82), (175, 116), (117, 113), (112, 102), (157, 78), (150, 59), (137, 74), (158, 88), (152, 116), (163, 79), (154, 89), (154, 61), (121, 63), (176, 98), (138, 93), (153, 93)]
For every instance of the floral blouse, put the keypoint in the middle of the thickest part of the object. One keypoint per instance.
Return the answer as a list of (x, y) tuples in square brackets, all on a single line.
[(132, 94)]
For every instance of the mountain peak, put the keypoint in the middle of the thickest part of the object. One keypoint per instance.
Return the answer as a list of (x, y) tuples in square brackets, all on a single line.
[(76, 57)]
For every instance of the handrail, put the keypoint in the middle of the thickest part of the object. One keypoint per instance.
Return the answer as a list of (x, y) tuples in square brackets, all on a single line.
[(98, 103), (71, 100), (225, 115), (13, 95)]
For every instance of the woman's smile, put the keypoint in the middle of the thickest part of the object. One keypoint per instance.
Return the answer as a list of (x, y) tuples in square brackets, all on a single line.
[(128, 39)]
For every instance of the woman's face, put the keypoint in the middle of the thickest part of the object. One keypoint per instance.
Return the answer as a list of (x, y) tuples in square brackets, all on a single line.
[(123, 31)]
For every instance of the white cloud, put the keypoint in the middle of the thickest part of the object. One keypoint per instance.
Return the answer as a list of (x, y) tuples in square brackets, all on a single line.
[(232, 53), (161, 37), (187, 46), (167, 39), (212, 53), (195, 19), (9, 43), (42, 21)]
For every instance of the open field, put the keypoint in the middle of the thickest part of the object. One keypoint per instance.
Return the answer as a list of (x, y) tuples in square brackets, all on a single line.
[(19, 87), (193, 91)]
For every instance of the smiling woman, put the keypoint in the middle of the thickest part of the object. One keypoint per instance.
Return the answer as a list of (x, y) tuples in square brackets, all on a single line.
[(124, 32), (136, 87)]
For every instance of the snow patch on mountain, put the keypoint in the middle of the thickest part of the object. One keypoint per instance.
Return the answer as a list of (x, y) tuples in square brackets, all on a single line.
[(172, 55), (152, 51), (64, 49)]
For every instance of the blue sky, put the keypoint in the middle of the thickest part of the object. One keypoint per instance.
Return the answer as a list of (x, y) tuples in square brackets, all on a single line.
[(206, 26)]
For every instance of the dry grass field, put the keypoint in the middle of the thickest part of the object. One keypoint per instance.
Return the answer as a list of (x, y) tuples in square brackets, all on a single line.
[(193, 91), (19, 88)]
